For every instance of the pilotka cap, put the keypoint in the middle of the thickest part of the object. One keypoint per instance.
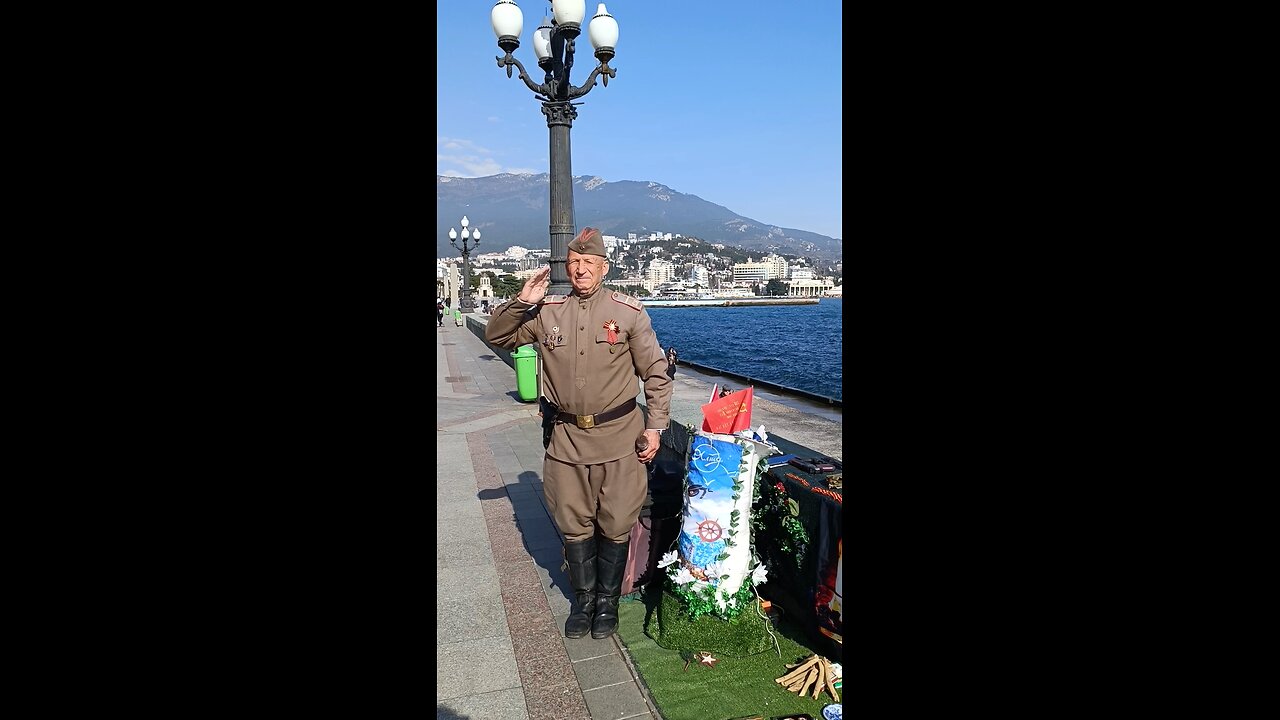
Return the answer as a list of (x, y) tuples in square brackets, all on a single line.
[(588, 242)]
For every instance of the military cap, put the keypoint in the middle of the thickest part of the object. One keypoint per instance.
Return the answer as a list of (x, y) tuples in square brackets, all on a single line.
[(588, 242)]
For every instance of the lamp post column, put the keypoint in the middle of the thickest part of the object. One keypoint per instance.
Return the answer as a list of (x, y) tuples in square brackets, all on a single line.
[(560, 117), (466, 304)]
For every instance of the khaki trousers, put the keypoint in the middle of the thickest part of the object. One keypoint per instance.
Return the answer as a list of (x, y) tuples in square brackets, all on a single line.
[(607, 496)]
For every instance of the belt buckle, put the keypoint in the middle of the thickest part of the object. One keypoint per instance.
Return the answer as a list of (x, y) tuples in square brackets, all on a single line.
[(586, 422)]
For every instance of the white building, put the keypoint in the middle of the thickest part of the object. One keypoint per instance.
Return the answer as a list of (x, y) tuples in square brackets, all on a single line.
[(526, 274), (660, 271), (808, 288), (769, 267), (629, 282)]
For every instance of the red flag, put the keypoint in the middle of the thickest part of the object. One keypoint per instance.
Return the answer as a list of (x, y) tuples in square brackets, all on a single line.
[(729, 414)]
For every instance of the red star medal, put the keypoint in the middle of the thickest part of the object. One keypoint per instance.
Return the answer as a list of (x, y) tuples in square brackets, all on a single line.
[(612, 332), (706, 659)]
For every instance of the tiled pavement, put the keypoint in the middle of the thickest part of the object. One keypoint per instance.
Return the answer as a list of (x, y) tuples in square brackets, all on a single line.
[(502, 597)]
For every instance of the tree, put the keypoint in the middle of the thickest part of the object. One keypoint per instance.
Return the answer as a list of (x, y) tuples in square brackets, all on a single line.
[(775, 287), (507, 286)]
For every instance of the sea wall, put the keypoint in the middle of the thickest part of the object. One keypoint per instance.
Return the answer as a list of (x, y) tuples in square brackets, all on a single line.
[(744, 381)]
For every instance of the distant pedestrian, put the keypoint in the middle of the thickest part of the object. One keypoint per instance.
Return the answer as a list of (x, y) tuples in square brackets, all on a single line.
[(724, 391), (439, 314), (457, 317), (671, 362)]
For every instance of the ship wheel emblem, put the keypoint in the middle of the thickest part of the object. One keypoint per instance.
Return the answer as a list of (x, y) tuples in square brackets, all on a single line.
[(709, 530)]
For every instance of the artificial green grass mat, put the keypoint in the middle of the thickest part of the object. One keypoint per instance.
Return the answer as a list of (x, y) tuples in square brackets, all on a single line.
[(735, 687), (744, 635)]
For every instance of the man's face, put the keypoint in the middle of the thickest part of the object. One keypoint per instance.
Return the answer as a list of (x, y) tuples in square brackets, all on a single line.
[(586, 272)]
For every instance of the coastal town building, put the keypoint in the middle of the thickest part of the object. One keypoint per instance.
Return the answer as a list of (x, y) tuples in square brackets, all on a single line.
[(528, 273), (629, 282), (656, 270), (770, 267), (808, 288), (660, 271)]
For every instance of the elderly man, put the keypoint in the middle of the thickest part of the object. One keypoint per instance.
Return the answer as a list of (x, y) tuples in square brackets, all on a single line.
[(595, 343)]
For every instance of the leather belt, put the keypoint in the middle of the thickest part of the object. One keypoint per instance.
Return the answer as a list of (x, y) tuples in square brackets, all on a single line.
[(589, 421)]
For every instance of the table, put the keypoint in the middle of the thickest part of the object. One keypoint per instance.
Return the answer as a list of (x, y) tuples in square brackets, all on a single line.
[(810, 590)]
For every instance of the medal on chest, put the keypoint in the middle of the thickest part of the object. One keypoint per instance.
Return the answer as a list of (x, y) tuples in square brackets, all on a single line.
[(611, 332), (553, 338)]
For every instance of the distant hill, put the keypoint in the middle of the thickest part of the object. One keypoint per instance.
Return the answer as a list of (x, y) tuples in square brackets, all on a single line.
[(513, 210)]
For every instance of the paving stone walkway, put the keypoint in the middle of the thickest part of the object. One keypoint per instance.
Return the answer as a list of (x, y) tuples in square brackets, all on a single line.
[(502, 597)]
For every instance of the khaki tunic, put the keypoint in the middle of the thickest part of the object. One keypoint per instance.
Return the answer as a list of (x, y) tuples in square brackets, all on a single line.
[(585, 375), (591, 478)]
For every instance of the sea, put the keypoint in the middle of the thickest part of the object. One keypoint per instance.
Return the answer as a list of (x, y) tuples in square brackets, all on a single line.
[(793, 345)]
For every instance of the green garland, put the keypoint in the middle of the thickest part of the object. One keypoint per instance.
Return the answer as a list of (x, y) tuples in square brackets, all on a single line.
[(704, 602), (774, 507)]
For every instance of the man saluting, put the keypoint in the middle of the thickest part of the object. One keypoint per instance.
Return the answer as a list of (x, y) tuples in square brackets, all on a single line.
[(594, 344)]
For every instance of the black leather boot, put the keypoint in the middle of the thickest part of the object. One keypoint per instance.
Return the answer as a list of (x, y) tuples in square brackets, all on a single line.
[(611, 561), (581, 557)]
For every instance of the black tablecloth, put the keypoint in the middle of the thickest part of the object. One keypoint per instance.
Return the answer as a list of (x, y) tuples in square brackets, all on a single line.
[(805, 591)]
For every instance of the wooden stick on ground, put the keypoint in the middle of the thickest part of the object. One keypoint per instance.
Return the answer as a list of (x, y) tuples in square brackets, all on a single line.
[(812, 679), (821, 681), (799, 671)]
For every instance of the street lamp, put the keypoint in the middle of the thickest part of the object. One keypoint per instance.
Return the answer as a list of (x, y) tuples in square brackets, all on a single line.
[(465, 303), (553, 44)]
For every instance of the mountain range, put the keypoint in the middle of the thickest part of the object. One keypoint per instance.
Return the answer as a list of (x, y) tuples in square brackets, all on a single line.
[(512, 209)]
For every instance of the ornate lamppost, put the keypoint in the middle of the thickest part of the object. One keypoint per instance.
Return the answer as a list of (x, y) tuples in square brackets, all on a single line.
[(553, 43), (465, 303)]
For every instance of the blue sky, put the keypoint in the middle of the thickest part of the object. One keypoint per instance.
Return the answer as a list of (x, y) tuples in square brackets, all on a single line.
[(735, 102)]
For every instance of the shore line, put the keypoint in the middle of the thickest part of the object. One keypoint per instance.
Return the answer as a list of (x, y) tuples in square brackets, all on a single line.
[(729, 302)]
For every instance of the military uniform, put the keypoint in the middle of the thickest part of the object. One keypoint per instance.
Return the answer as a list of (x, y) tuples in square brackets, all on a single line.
[(593, 349)]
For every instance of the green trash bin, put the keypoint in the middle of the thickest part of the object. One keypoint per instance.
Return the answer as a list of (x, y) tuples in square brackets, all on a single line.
[(525, 359)]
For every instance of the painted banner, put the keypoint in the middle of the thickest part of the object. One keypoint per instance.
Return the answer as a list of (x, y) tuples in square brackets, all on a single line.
[(714, 544)]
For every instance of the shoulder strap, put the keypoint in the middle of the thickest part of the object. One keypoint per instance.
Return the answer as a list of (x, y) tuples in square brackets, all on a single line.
[(627, 300)]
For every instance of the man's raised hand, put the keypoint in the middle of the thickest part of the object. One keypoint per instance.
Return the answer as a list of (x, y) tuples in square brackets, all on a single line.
[(535, 288)]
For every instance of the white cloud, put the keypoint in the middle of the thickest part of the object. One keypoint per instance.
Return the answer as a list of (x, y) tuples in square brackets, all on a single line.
[(458, 157)]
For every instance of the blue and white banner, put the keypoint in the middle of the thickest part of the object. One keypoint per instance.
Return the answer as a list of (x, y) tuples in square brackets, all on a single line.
[(714, 545)]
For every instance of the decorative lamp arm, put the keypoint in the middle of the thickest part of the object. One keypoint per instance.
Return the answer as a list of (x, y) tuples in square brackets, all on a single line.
[(510, 60), (602, 68)]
